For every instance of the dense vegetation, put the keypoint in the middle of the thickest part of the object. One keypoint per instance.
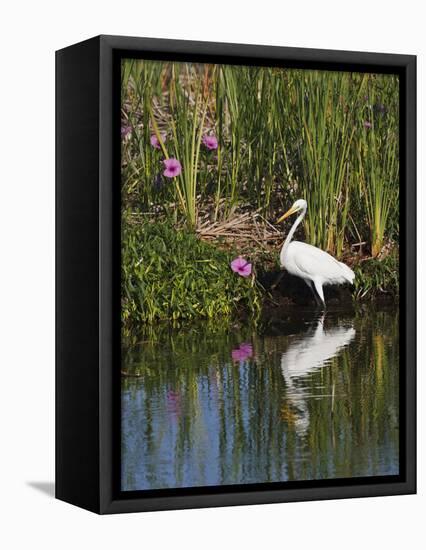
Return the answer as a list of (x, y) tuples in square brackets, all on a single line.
[(171, 274), (217, 152)]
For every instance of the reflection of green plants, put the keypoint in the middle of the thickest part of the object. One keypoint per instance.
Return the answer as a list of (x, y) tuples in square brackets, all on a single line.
[(351, 403), (171, 274)]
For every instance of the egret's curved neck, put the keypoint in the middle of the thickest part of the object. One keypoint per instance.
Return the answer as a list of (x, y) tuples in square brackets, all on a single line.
[(292, 230)]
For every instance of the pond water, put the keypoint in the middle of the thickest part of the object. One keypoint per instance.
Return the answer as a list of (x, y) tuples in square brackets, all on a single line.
[(305, 397)]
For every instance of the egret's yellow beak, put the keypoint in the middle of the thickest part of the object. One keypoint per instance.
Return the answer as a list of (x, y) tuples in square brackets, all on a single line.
[(292, 210)]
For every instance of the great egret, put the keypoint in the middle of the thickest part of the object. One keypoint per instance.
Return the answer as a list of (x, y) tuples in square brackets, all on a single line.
[(316, 267)]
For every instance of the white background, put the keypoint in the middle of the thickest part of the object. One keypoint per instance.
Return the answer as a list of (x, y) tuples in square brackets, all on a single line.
[(29, 33)]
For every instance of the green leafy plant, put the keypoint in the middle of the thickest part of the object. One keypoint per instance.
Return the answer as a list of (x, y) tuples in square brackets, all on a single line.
[(171, 274), (377, 278)]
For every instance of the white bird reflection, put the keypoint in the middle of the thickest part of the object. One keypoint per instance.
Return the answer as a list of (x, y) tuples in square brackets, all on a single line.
[(312, 351)]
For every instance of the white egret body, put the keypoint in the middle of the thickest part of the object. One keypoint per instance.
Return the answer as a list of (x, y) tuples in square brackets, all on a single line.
[(316, 267)]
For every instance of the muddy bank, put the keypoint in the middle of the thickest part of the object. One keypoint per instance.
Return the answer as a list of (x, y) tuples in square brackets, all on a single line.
[(283, 289), (288, 299)]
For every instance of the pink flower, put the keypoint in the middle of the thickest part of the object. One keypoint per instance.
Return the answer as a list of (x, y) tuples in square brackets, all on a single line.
[(173, 402), (155, 142), (173, 168), (367, 124), (246, 348), (243, 352), (237, 355), (210, 142), (241, 266)]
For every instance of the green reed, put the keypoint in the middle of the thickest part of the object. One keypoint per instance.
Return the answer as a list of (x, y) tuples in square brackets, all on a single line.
[(228, 89), (325, 104), (377, 160), (140, 82), (250, 123), (188, 109)]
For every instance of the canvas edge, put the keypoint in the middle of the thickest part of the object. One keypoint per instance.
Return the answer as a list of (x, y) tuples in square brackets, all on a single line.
[(76, 281), (107, 502)]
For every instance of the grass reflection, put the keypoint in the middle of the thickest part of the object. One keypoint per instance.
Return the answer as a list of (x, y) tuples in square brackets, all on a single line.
[(311, 399)]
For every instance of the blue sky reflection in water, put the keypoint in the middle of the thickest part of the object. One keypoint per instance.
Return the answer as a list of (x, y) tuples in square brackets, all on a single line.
[(308, 397)]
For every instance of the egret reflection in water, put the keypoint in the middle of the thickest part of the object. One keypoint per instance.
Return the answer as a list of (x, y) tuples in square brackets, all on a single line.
[(306, 398), (307, 353)]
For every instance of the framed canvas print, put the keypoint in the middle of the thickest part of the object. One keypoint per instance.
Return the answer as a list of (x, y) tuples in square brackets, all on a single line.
[(235, 274)]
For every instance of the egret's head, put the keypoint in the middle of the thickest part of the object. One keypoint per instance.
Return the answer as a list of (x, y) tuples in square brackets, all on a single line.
[(299, 205)]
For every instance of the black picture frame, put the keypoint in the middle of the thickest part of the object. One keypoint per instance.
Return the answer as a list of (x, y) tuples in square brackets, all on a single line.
[(88, 274)]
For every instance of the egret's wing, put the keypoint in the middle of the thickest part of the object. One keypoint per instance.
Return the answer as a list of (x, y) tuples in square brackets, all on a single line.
[(314, 262)]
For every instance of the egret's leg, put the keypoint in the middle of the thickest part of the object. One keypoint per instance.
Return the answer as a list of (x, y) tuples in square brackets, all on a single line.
[(318, 288), (312, 289)]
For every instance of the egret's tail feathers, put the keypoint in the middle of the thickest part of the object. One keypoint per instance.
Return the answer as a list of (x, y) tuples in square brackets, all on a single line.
[(348, 274)]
